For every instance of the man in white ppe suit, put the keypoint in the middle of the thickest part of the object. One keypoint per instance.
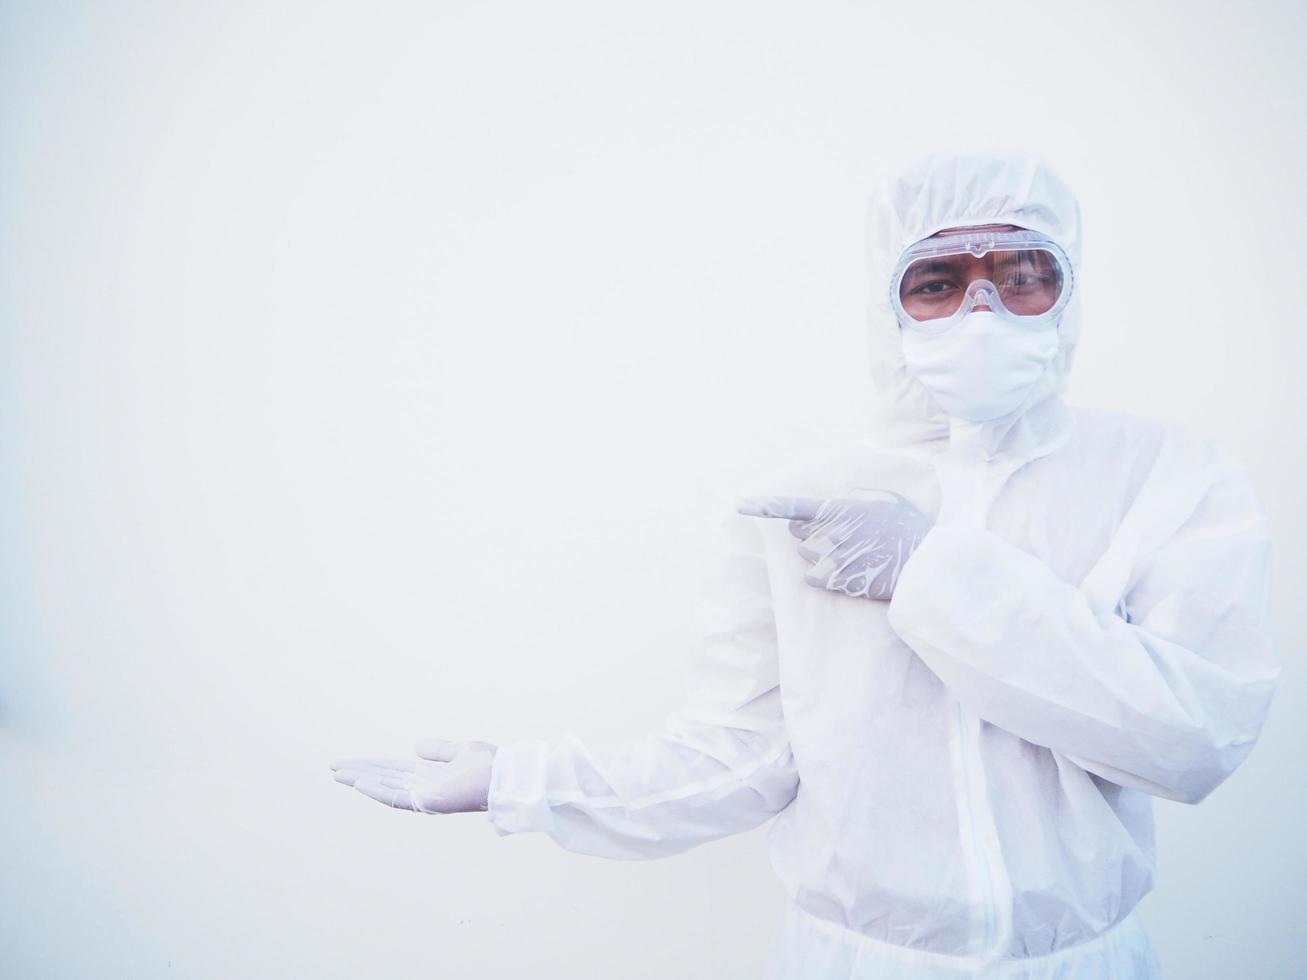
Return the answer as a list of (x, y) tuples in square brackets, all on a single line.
[(958, 658)]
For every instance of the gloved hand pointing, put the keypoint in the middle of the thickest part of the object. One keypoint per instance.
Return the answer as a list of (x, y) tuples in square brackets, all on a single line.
[(857, 547), (446, 777)]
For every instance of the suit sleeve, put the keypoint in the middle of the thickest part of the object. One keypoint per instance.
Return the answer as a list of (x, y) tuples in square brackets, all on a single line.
[(722, 763), (1168, 698)]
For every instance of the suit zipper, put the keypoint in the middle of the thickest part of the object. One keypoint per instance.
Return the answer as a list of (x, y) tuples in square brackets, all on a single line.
[(984, 842)]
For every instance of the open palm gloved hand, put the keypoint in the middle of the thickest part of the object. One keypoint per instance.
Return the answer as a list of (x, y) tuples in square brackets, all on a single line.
[(857, 547), (446, 777)]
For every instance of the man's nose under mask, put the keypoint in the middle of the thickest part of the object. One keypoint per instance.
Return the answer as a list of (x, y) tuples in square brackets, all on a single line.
[(983, 368)]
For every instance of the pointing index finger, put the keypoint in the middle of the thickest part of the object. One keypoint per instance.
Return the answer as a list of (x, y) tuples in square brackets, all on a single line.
[(786, 508)]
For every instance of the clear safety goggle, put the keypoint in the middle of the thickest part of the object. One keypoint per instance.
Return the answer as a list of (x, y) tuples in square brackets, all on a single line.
[(1018, 274)]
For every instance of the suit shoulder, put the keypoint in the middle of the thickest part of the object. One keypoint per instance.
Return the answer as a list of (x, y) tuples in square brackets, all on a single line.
[(1151, 434), (1170, 456)]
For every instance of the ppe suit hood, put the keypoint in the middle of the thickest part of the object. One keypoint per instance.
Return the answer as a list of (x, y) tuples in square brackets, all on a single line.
[(951, 190)]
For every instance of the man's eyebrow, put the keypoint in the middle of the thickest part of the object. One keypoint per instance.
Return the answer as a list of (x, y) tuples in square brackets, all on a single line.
[(1031, 256), (927, 266)]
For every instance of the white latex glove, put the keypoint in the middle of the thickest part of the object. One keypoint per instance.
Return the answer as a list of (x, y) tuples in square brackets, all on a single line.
[(857, 547), (446, 777)]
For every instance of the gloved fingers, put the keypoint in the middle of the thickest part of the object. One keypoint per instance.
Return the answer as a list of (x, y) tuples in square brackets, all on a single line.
[(373, 762), (852, 568), (835, 519), (349, 776), (837, 523), (884, 503), (397, 782), (822, 544), (868, 580), (869, 584), (372, 787), (846, 551), (824, 571), (789, 508), (857, 585)]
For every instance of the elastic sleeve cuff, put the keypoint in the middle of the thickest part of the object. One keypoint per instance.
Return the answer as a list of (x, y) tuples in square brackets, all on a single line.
[(517, 802)]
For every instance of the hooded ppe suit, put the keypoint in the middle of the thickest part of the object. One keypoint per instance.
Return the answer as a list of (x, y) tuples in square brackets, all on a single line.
[(963, 774)]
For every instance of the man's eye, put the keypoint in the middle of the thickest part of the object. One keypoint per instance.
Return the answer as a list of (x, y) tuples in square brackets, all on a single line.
[(1025, 280), (932, 288)]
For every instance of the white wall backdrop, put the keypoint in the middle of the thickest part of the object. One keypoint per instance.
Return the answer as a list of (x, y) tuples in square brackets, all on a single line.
[(370, 371)]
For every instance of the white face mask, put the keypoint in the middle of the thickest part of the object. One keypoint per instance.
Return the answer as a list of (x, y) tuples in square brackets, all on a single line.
[(982, 368)]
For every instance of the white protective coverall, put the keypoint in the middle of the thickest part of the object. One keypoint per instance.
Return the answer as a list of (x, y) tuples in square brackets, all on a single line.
[(964, 774)]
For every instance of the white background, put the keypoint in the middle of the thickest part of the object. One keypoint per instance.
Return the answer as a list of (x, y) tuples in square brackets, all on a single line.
[(370, 371)]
